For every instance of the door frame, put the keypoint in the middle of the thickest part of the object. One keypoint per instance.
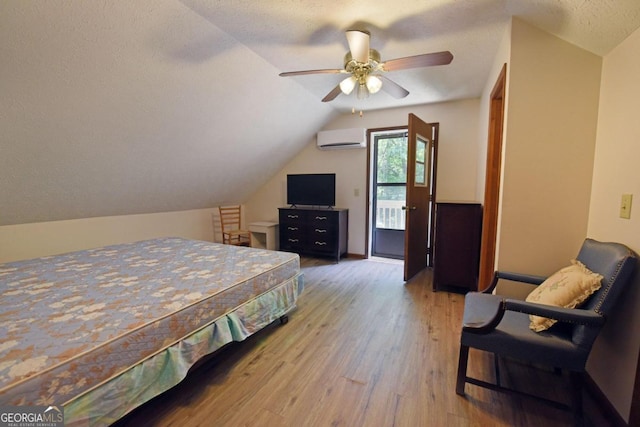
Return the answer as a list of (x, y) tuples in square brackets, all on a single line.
[(374, 232), (368, 201), (492, 181)]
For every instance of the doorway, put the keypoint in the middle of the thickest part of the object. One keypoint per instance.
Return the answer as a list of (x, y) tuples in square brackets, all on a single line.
[(388, 163), (389, 192)]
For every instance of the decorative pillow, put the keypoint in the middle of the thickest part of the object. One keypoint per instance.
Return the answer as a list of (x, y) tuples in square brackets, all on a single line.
[(567, 288)]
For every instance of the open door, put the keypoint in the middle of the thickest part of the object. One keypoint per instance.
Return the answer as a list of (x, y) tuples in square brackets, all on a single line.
[(420, 156)]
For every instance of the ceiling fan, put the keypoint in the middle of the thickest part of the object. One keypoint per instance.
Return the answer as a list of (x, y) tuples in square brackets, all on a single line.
[(367, 70)]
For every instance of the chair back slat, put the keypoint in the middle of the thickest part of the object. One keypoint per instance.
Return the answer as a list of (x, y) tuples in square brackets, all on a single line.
[(230, 217)]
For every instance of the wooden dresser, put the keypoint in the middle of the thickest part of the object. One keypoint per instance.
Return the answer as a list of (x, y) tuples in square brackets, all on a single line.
[(457, 245), (320, 232)]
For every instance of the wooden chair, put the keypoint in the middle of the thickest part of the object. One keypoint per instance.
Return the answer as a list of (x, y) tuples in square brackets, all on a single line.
[(230, 223)]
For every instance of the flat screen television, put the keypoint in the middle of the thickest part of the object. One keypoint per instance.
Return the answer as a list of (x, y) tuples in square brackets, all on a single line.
[(314, 189)]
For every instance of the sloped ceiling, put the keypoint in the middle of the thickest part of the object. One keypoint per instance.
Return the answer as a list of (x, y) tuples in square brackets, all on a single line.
[(114, 107)]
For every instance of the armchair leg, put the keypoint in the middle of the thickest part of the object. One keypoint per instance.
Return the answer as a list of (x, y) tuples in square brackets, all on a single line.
[(462, 369), (577, 381)]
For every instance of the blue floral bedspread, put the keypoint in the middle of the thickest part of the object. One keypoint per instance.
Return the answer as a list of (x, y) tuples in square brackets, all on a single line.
[(70, 322)]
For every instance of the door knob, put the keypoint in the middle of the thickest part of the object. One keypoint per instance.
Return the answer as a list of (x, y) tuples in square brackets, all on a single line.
[(409, 208)]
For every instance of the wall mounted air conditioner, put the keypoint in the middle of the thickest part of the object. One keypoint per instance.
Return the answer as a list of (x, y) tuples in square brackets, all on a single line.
[(341, 139)]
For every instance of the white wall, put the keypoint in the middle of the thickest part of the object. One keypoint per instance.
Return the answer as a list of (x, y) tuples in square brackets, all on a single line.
[(549, 147), (616, 172), (457, 163), (33, 240)]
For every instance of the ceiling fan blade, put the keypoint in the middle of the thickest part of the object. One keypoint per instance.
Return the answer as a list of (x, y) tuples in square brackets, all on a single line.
[(359, 45), (333, 94), (393, 88), (305, 72), (425, 60)]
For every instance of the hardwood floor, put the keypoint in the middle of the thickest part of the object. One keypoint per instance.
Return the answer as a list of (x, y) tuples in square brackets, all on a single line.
[(362, 349)]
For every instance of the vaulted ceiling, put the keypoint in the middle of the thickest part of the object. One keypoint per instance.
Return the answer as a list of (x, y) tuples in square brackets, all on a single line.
[(120, 107)]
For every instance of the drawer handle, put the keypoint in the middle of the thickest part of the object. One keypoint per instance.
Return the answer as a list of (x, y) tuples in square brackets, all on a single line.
[(293, 240), (292, 228), (321, 217), (321, 243), (292, 216), (320, 230)]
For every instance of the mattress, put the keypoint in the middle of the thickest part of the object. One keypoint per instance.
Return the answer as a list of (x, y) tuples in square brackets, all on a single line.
[(73, 323)]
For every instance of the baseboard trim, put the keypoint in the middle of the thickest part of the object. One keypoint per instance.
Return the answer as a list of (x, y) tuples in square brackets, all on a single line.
[(606, 407), (354, 256)]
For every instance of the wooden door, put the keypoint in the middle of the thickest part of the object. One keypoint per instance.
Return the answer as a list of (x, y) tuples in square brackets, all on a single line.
[(419, 158)]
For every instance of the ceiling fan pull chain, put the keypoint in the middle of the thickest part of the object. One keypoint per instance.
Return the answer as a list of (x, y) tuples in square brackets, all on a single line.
[(353, 111)]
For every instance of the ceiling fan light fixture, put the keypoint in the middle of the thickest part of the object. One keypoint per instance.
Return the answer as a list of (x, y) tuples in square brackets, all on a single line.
[(362, 92), (374, 83), (347, 85), (365, 68)]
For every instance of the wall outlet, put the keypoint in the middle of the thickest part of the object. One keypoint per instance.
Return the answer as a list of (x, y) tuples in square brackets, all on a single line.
[(625, 206)]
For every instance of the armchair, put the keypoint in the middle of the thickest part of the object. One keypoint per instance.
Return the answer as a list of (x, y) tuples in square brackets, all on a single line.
[(501, 325)]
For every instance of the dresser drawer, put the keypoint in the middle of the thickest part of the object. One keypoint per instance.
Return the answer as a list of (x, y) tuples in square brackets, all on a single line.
[(292, 229), (322, 219), (291, 216), (322, 240), (291, 243)]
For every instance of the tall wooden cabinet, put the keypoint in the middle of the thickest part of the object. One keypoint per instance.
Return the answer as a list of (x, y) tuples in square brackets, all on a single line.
[(457, 245), (321, 232)]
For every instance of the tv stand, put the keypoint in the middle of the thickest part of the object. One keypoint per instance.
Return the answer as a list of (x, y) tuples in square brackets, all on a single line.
[(314, 231)]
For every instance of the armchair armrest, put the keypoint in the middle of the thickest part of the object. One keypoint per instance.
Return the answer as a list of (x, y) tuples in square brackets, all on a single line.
[(482, 312), (561, 314), (516, 277), (519, 277)]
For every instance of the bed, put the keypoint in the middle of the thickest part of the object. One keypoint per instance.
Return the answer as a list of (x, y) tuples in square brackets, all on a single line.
[(101, 331)]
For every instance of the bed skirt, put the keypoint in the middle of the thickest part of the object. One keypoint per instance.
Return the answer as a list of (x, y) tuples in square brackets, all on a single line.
[(108, 402)]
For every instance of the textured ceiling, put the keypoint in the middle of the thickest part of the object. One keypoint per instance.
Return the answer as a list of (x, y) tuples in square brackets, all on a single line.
[(298, 35), (118, 107)]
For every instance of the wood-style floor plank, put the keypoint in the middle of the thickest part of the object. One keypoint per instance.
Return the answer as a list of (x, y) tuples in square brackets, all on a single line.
[(363, 348)]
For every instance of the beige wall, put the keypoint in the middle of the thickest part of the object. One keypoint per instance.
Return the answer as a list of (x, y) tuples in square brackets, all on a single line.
[(616, 172), (48, 238), (570, 153), (548, 150), (502, 57), (456, 180), (457, 163)]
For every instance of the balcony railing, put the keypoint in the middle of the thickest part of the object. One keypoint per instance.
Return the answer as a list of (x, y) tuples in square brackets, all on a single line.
[(389, 214)]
